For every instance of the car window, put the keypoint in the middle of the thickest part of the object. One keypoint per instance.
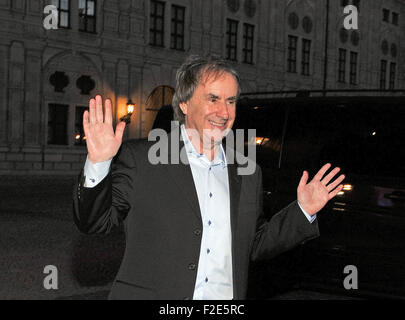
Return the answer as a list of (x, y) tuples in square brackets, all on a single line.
[(362, 139), (268, 121)]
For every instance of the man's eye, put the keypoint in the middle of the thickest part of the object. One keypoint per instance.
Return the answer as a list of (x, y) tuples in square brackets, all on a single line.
[(213, 99)]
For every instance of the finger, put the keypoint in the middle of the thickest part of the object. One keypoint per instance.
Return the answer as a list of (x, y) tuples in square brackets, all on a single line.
[(330, 176), (322, 171), (92, 110), (335, 183), (304, 180), (335, 192), (85, 120), (108, 112), (99, 109), (119, 130)]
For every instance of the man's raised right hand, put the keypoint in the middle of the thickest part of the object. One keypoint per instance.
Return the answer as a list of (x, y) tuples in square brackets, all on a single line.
[(102, 143)]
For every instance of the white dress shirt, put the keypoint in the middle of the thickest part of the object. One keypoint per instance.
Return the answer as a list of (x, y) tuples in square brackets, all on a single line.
[(214, 272)]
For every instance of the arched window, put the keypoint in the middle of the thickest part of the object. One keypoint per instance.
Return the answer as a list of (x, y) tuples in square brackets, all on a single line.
[(159, 97)]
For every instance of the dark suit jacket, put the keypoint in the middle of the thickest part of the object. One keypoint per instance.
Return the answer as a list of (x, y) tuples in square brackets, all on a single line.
[(159, 207)]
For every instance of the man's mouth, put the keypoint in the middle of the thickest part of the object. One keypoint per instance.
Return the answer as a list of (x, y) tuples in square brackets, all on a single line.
[(217, 124)]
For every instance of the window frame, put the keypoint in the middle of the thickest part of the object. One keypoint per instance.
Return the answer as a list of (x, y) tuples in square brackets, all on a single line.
[(175, 22), (353, 67), (232, 39), (306, 57), (60, 10), (248, 35), (65, 125), (386, 15), (85, 16), (383, 74), (153, 17), (292, 51), (393, 69), (342, 65)]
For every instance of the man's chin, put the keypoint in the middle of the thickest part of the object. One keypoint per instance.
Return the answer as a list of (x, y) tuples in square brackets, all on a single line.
[(215, 135)]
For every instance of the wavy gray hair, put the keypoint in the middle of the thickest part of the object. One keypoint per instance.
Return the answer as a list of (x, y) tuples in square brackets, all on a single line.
[(189, 75)]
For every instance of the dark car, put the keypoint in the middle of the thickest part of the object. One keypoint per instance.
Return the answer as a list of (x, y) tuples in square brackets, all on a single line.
[(362, 227)]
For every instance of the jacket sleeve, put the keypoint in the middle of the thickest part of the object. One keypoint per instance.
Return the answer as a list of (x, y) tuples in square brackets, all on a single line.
[(99, 209), (284, 231)]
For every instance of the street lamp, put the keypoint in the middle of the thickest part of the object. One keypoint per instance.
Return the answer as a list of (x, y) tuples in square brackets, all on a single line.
[(130, 110)]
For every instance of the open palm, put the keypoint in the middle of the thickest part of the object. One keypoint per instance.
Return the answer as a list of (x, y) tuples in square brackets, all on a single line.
[(313, 196), (102, 143)]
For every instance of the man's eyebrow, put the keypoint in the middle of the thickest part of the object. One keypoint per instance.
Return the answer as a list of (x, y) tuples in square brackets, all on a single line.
[(211, 95)]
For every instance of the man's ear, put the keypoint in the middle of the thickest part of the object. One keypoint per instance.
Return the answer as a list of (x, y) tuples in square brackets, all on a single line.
[(183, 106)]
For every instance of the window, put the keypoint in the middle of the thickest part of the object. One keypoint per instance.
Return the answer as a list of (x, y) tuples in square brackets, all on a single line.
[(80, 139), (156, 31), (292, 54), (57, 124), (393, 67), (231, 39), (177, 32), (383, 74), (342, 66), (63, 12), (395, 18), (248, 33), (386, 15), (306, 55), (353, 67), (87, 16)]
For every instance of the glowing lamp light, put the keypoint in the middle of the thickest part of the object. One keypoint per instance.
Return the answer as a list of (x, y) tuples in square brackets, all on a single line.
[(130, 110), (340, 193), (77, 137), (130, 106), (261, 141), (347, 187)]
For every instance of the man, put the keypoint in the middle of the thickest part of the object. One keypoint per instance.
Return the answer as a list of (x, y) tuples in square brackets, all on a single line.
[(191, 229)]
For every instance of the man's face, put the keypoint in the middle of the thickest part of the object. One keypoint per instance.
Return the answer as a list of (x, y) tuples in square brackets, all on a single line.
[(212, 108)]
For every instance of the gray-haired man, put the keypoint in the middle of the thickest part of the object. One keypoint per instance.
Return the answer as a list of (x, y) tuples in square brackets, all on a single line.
[(191, 229)]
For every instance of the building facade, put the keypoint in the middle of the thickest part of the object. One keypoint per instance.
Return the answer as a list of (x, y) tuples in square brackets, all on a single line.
[(130, 50)]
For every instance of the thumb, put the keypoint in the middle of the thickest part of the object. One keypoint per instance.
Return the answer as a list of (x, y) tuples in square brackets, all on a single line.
[(119, 130)]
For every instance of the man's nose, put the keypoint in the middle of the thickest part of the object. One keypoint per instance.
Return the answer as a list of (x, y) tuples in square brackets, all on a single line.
[(222, 110)]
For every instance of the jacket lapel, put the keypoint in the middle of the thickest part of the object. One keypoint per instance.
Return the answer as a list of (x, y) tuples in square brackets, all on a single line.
[(183, 178)]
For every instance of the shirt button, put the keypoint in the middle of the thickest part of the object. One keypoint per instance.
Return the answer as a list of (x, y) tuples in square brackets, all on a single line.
[(208, 250), (210, 195), (191, 266), (209, 222), (206, 279), (197, 232)]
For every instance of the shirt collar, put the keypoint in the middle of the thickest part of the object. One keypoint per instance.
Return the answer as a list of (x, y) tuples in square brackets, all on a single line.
[(219, 158)]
